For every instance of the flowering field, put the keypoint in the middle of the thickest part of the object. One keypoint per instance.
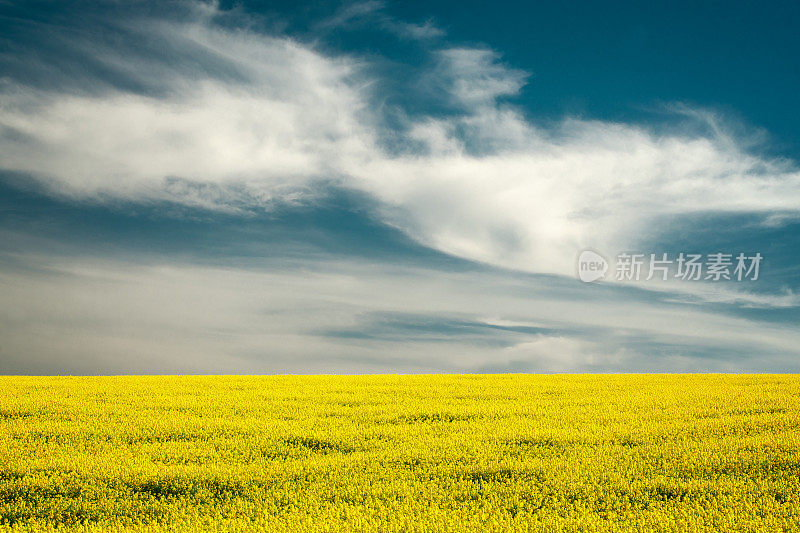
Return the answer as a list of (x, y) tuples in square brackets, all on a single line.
[(401, 453)]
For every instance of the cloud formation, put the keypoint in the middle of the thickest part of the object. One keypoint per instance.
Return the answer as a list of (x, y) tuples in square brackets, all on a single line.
[(482, 182), (102, 315), (232, 123)]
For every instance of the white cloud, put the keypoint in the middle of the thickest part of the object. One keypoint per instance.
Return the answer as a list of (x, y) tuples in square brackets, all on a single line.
[(474, 76), (90, 314), (598, 186), (372, 13), (485, 183), (561, 354), (421, 32), (288, 126), (701, 292), (350, 13)]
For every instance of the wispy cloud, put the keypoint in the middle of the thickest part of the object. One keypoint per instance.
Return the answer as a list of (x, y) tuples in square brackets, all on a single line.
[(422, 32), (372, 13), (351, 13), (484, 183), (104, 314), (207, 111), (474, 76)]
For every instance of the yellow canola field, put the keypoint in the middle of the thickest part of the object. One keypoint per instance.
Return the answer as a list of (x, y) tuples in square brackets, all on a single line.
[(401, 453)]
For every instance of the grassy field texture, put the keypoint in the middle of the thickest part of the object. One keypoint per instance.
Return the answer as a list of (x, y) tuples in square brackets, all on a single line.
[(401, 453)]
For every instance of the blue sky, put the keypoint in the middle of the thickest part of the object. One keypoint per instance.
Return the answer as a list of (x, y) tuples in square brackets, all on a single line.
[(268, 187)]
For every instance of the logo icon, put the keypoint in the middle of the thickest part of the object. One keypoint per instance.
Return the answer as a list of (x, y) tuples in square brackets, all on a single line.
[(591, 266)]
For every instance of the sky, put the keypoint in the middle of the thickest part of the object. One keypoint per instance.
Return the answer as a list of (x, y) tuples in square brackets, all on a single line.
[(269, 187)]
